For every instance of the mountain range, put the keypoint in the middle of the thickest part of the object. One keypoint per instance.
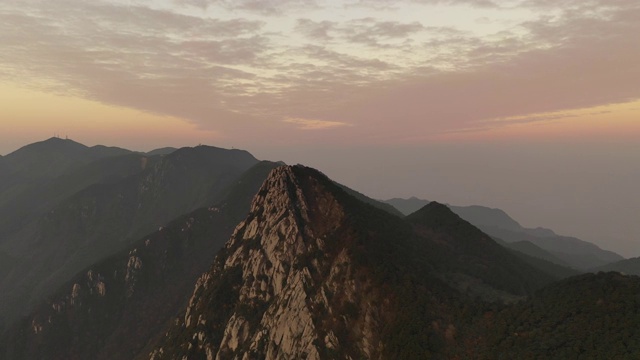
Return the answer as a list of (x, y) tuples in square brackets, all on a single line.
[(539, 242), (55, 225), (210, 253)]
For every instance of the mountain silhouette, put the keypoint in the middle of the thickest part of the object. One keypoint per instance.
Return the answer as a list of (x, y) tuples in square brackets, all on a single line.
[(561, 250)]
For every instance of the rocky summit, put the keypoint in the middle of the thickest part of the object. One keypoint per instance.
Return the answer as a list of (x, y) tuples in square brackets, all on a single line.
[(285, 285), (313, 273)]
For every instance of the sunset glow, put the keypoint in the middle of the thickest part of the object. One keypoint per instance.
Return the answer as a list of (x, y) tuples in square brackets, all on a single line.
[(59, 115), (607, 123)]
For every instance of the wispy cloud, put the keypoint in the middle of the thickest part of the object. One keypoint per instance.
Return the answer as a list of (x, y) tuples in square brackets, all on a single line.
[(263, 7), (314, 124), (366, 31), (370, 66)]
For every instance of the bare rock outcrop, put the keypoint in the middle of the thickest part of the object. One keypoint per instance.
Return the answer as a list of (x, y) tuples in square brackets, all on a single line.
[(285, 286)]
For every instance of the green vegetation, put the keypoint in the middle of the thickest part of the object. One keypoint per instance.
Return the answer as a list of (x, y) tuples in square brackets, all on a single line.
[(584, 317), (627, 266)]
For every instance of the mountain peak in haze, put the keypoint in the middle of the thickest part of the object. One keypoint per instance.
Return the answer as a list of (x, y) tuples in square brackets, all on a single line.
[(288, 282), (54, 144), (162, 151), (52, 157), (435, 213), (314, 273), (497, 223), (487, 217)]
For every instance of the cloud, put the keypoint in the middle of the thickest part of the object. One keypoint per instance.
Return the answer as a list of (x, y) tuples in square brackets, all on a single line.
[(366, 31), (581, 60), (262, 7), (317, 30), (392, 78), (313, 124), (372, 32), (132, 56), (393, 4)]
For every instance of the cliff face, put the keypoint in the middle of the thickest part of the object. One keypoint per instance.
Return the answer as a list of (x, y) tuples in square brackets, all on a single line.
[(285, 286)]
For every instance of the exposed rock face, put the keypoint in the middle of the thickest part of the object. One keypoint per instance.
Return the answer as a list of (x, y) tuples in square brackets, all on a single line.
[(285, 286), (315, 273)]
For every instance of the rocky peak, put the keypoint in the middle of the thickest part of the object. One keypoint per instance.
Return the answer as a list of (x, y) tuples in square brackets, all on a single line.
[(315, 273), (285, 286)]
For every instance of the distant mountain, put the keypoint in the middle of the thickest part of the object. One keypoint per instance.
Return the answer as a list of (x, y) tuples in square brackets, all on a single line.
[(376, 203), (487, 217), (578, 253), (547, 267), (47, 158), (564, 251), (588, 316), (161, 151), (112, 309), (313, 273), (105, 217), (20, 210), (407, 206), (32, 167), (467, 250), (627, 266), (531, 249), (52, 157)]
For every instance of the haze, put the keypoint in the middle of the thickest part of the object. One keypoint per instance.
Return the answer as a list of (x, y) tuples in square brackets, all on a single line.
[(530, 106)]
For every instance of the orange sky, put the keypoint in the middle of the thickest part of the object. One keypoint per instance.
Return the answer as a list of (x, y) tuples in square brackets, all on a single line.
[(619, 122), (335, 73), (31, 115), (97, 123)]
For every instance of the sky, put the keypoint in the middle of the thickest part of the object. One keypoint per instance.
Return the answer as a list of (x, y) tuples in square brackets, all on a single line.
[(530, 106)]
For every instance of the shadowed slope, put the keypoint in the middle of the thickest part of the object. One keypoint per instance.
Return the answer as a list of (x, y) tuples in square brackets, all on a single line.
[(628, 266), (112, 309), (104, 218), (591, 316)]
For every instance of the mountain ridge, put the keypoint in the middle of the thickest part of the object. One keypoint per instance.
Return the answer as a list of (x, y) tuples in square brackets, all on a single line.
[(627, 266), (103, 218), (53, 156), (571, 251)]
